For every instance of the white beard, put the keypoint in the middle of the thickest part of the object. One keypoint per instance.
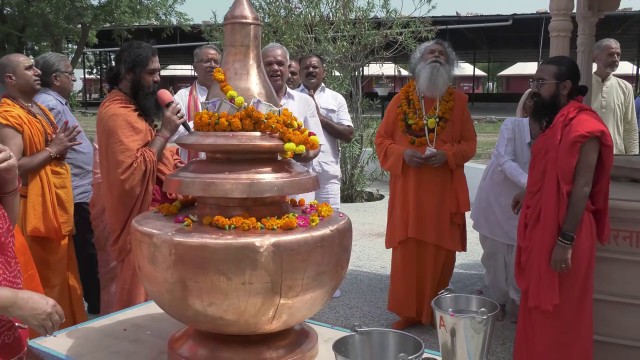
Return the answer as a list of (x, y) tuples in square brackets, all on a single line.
[(433, 78), (612, 68)]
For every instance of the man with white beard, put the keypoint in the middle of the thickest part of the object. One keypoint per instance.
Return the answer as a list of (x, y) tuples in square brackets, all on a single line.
[(424, 140)]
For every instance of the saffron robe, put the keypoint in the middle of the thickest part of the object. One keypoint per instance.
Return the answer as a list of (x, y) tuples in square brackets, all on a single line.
[(426, 222), (130, 183), (46, 215), (30, 277), (554, 305)]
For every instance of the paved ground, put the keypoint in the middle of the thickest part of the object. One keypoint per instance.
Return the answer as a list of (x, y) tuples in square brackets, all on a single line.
[(364, 290)]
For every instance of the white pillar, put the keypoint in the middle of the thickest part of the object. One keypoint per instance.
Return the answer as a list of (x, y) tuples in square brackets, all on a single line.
[(588, 12), (587, 20), (560, 27)]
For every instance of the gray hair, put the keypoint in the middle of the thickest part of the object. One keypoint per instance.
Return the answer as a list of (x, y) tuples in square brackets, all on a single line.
[(49, 64), (197, 51), (416, 57), (276, 46), (601, 44)]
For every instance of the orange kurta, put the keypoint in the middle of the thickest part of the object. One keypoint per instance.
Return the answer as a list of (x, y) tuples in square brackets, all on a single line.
[(46, 214), (130, 180), (425, 222)]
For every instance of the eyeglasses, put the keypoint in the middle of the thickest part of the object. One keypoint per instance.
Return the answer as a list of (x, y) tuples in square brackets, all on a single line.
[(208, 62), (70, 74), (537, 83)]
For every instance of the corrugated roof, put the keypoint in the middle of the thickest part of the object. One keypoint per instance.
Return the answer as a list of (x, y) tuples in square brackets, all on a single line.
[(178, 70), (384, 69), (466, 69), (529, 68)]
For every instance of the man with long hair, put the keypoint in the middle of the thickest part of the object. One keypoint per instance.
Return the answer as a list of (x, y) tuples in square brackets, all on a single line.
[(424, 140), (133, 162), (564, 213)]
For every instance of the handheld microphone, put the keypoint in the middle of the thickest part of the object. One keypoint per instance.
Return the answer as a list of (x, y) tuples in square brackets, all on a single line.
[(164, 98)]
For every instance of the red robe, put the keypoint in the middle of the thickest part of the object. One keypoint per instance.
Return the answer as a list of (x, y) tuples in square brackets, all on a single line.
[(556, 309)]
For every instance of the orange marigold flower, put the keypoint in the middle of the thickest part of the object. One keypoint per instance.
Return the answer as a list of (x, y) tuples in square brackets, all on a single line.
[(289, 224), (324, 210)]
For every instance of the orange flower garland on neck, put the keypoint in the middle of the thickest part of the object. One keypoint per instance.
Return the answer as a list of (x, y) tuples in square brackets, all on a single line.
[(296, 138), (413, 121)]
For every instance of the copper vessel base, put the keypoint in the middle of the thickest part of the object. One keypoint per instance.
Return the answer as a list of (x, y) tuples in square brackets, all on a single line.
[(297, 343)]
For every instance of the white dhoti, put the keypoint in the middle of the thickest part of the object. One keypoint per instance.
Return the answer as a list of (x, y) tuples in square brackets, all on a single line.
[(329, 191), (498, 260)]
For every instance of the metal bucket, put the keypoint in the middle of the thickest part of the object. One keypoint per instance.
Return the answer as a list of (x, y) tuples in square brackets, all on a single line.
[(465, 325), (378, 344)]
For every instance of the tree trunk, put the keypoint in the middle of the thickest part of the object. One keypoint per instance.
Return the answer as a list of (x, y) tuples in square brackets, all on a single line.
[(56, 45), (82, 42)]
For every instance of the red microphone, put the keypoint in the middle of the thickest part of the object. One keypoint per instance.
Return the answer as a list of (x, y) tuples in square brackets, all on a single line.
[(165, 99)]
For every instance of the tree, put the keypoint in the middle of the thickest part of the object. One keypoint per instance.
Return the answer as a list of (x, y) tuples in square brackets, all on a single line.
[(349, 34), (50, 25)]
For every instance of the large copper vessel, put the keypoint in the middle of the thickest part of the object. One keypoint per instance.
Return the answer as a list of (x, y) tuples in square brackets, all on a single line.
[(243, 294), (617, 289)]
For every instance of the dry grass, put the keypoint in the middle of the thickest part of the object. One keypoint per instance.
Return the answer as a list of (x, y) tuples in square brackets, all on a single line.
[(88, 123), (487, 138)]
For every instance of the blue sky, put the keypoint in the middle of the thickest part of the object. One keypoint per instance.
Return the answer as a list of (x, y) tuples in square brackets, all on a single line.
[(201, 10)]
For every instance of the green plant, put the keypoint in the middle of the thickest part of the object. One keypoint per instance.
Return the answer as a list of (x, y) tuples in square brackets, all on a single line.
[(74, 104)]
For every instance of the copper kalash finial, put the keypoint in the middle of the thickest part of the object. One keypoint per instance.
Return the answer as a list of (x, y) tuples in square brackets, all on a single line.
[(242, 60), (243, 294)]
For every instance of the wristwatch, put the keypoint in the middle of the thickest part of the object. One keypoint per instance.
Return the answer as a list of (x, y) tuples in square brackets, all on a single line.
[(567, 237)]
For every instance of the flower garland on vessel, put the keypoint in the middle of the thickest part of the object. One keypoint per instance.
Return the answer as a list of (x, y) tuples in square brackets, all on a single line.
[(296, 138), (310, 215), (413, 121)]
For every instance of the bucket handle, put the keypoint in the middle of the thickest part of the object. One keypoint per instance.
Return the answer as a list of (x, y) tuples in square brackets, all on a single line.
[(446, 291), (356, 328), (481, 314)]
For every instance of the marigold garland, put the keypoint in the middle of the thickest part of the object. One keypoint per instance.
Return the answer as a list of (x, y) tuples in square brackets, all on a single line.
[(310, 215), (412, 120), (296, 138)]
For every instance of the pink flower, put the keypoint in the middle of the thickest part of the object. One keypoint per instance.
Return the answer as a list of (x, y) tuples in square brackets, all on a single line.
[(179, 219), (303, 221)]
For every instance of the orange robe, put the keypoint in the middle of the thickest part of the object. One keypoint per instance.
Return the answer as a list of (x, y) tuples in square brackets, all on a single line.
[(30, 277), (426, 218), (46, 215), (556, 309), (129, 183)]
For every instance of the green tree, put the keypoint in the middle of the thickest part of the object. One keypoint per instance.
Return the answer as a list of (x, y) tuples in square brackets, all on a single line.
[(349, 34), (51, 25)]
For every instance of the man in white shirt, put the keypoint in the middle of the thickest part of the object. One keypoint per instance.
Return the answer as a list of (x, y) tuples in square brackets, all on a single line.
[(294, 82), (612, 98), (275, 59), (336, 125), (504, 176), (205, 59)]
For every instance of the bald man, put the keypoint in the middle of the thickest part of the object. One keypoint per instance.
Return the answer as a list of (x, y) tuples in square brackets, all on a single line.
[(46, 201)]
